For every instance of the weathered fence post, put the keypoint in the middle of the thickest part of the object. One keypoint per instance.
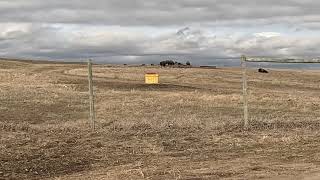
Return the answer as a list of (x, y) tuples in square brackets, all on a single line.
[(245, 93), (91, 96)]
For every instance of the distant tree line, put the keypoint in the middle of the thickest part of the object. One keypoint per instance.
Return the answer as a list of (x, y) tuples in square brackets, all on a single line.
[(173, 63)]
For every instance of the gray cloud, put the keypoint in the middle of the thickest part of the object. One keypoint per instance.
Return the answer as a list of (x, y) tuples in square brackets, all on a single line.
[(159, 12), (77, 29)]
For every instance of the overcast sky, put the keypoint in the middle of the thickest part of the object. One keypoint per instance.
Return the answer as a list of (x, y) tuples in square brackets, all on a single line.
[(133, 31)]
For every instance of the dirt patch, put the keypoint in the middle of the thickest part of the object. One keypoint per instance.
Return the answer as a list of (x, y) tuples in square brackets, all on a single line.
[(53, 155)]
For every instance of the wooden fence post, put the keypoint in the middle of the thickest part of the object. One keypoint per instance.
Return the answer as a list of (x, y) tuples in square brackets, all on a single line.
[(91, 96), (245, 92)]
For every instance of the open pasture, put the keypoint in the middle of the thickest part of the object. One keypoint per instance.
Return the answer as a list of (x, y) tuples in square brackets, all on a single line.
[(187, 127)]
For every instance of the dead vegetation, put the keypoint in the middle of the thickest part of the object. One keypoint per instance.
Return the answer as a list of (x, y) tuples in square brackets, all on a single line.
[(188, 127)]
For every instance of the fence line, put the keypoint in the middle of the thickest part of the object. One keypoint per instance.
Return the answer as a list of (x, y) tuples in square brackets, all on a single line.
[(282, 60), (245, 59)]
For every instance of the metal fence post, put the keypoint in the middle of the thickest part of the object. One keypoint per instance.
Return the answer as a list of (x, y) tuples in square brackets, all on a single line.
[(91, 96), (245, 92)]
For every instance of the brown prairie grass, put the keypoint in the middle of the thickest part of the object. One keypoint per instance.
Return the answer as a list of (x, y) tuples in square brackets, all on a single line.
[(188, 127)]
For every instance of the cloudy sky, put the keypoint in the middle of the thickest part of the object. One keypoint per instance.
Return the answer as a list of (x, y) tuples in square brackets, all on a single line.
[(134, 31)]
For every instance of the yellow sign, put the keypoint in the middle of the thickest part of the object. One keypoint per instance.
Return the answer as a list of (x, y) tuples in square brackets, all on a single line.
[(152, 78)]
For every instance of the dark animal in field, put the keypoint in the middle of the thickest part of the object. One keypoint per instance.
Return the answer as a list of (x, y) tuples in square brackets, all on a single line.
[(260, 70)]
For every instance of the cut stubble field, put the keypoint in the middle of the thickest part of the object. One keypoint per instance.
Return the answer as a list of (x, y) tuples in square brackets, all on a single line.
[(188, 127)]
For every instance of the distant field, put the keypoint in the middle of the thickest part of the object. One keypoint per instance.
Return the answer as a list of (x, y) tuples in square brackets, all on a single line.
[(188, 127)]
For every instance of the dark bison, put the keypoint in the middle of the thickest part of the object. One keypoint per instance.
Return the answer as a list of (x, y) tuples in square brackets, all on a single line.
[(260, 70)]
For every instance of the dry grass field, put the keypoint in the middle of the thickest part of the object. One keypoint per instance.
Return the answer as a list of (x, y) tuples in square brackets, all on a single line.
[(188, 127)]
